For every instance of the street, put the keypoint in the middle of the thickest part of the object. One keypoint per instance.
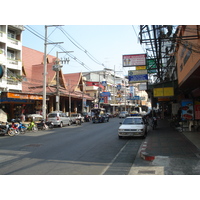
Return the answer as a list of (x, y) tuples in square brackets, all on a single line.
[(89, 149)]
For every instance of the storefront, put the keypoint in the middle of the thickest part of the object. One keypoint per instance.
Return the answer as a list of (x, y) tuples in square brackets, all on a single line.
[(16, 104)]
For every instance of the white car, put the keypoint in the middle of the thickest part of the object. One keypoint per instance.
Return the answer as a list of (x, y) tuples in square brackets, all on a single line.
[(133, 126), (123, 114)]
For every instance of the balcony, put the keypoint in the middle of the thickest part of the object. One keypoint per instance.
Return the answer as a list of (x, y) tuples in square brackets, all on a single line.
[(3, 37), (14, 44), (2, 58), (14, 64)]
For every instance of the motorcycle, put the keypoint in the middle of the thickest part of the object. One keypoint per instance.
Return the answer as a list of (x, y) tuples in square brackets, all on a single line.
[(6, 129), (78, 122), (49, 124), (22, 129), (42, 125), (32, 127)]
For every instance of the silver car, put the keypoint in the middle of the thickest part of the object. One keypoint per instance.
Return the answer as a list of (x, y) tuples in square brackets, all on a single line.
[(133, 126), (123, 114), (59, 119)]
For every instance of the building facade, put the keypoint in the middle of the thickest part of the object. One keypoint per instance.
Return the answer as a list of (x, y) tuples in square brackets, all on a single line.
[(11, 57)]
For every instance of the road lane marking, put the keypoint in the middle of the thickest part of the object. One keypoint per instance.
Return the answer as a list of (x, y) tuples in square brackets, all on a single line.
[(113, 160)]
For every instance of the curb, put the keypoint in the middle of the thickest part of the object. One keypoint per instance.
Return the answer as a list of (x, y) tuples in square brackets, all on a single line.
[(144, 155)]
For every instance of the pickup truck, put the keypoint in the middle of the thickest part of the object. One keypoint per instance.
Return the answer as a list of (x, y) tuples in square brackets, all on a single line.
[(76, 116)]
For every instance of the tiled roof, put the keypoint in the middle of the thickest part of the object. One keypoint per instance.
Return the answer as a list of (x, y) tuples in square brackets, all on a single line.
[(33, 67)]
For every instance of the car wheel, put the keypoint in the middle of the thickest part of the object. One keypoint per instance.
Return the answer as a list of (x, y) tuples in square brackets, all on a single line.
[(69, 123), (120, 137), (61, 124)]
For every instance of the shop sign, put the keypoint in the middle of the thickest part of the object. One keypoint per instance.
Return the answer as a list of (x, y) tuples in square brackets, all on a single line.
[(138, 78), (134, 60), (151, 66), (140, 67), (105, 94), (136, 72), (13, 100), (24, 96), (163, 92)]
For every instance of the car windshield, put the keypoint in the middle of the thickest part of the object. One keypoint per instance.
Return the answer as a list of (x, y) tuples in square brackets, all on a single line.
[(133, 121)]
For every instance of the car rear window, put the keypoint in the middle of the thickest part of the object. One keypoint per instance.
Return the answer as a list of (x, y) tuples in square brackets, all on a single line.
[(52, 115)]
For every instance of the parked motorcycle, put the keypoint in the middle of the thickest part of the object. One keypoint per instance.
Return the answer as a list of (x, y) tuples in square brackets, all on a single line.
[(22, 129), (6, 129), (42, 125), (32, 127)]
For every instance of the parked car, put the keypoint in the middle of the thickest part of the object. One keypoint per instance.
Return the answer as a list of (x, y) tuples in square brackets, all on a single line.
[(59, 118), (123, 114), (76, 116), (133, 126), (87, 116)]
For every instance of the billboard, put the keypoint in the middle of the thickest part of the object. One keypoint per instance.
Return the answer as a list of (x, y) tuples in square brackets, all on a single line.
[(163, 92), (134, 60)]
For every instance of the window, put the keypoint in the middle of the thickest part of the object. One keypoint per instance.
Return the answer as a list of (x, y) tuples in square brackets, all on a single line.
[(11, 54), (11, 34)]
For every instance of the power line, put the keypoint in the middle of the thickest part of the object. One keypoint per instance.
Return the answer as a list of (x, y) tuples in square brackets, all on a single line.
[(79, 46), (62, 48), (59, 46)]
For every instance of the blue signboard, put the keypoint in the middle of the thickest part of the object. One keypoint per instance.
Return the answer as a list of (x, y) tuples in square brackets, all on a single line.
[(138, 78), (104, 83), (105, 94)]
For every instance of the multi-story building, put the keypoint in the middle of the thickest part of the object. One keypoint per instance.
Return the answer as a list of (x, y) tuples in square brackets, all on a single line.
[(11, 57), (109, 89)]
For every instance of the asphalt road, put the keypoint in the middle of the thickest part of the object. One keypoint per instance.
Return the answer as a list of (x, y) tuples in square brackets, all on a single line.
[(89, 149)]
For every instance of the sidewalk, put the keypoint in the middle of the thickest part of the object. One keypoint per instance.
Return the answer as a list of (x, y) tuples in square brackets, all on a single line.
[(170, 152)]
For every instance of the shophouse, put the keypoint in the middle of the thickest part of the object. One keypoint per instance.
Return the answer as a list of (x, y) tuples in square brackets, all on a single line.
[(188, 69), (29, 99)]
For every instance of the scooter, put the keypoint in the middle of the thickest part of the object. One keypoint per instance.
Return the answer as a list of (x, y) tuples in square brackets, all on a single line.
[(22, 129), (6, 129), (42, 125)]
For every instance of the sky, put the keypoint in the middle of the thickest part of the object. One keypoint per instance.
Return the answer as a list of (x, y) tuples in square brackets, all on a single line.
[(106, 44)]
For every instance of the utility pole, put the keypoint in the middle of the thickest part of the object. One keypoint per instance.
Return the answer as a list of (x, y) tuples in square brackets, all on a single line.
[(44, 106), (57, 67), (44, 76)]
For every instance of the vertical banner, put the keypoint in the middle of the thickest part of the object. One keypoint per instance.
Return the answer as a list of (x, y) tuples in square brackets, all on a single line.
[(187, 109)]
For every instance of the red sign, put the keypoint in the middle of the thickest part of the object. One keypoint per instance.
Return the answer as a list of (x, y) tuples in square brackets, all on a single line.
[(134, 60)]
